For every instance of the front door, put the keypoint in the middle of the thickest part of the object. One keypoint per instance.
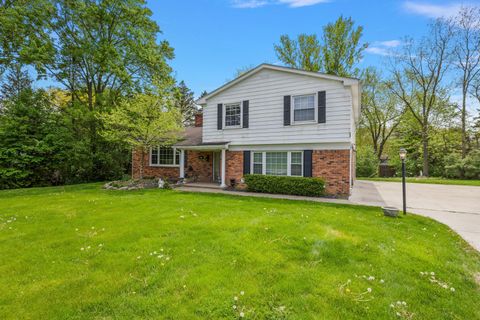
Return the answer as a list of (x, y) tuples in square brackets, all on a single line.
[(216, 167)]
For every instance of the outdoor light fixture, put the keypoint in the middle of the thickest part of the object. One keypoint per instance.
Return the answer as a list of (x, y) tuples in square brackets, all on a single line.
[(403, 156)]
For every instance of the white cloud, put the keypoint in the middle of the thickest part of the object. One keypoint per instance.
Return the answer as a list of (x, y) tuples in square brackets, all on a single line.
[(390, 43), (301, 3), (248, 4), (432, 10), (378, 50), (383, 48)]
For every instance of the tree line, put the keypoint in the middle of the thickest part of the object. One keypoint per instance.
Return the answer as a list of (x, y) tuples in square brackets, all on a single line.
[(101, 58)]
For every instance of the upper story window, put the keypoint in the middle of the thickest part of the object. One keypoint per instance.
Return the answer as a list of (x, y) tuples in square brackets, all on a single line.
[(164, 156), (233, 115), (304, 108)]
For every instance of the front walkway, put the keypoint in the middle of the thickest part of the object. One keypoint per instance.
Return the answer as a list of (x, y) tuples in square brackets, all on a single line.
[(456, 206), (261, 195)]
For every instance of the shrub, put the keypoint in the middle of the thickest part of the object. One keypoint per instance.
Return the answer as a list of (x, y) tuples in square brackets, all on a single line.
[(469, 168), (367, 162), (300, 186)]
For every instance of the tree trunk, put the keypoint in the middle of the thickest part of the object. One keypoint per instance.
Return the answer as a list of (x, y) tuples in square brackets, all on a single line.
[(425, 150), (142, 163), (464, 120)]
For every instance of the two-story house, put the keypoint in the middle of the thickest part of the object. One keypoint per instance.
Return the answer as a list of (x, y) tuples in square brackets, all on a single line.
[(271, 120)]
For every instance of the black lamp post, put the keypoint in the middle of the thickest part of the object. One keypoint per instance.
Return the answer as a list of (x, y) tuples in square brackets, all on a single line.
[(403, 156)]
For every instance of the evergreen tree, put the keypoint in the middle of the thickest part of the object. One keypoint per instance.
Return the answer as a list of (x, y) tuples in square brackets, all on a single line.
[(15, 82), (185, 102)]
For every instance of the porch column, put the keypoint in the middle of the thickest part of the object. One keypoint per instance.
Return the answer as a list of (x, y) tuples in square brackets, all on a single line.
[(223, 185), (182, 163)]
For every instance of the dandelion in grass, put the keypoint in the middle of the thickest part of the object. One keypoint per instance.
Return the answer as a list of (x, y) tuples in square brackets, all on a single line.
[(242, 314), (242, 293), (235, 298)]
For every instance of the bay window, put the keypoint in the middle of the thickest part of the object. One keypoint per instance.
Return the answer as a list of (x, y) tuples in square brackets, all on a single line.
[(164, 157), (277, 163)]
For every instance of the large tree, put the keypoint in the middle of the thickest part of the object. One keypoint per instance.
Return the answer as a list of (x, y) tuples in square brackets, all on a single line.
[(418, 73), (466, 27), (381, 110), (338, 53), (15, 82), (144, 121), (98, 50)]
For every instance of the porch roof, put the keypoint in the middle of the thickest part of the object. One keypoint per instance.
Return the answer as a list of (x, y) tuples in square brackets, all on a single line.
[(192, 140)]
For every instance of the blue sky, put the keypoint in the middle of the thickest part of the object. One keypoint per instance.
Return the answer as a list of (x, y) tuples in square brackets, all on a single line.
[(214, 38)]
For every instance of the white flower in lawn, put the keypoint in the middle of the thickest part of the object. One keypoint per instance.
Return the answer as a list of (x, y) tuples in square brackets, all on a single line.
[(76, 229), (242, 293), (182, 217), (184, 286), (161, 249), (154, 252), (88, 247), (242, 314), (235, 298), (445, 286), (432, 273), (82, 248), (139, 257), (160, 256), (167, 258), (369, 289), (404, 303), (370, 278), (452, 289), (398, 314), (399, 302), (392, 305), (234, 307), (382, 281), (93, 228)]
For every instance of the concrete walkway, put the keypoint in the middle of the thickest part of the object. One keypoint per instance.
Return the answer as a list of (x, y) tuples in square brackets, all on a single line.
[(456, 206), (261, 195)]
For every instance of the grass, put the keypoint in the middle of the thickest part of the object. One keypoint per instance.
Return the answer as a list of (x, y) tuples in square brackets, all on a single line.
[(429, 181), (79, 252)]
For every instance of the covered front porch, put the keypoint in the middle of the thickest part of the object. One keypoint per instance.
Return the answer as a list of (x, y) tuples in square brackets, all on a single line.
[(203, 165)]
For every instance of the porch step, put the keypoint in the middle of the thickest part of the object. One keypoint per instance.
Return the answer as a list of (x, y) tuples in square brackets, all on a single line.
[(202, 185)]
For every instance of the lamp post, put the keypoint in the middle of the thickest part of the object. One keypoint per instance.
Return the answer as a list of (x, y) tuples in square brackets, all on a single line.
[(403, 156)]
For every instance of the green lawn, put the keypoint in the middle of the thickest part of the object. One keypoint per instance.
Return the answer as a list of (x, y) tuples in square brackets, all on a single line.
[(428, 180), (79, 252)]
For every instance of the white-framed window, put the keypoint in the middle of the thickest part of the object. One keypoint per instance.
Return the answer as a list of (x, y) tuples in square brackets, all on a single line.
[(277, 163), (257, 163), (164, 157), (233, 115), (303, 108)]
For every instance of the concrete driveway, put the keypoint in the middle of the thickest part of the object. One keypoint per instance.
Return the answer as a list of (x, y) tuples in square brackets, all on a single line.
[(456, 206)]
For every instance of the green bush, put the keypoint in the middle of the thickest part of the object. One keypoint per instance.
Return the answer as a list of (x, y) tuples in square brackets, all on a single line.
[(299, 186), (469, 167), (367, 162)]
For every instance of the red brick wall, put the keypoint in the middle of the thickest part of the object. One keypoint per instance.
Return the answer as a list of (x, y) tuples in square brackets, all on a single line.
[(334, 167), (148, 171), (234, 166), (200, 170)]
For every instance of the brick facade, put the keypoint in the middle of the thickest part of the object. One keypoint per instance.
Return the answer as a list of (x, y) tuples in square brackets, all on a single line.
[(151, 171), (199, 166), (334, 167), (234, 167), (331, 165)]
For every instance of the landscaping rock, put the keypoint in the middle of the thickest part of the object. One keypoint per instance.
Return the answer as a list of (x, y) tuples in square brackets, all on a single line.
[(390, 212)]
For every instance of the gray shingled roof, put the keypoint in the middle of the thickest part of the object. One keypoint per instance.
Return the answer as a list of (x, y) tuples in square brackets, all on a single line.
[(193, 137)]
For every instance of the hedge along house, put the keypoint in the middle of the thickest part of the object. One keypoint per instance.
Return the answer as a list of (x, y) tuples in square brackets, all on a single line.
[(273, 121)]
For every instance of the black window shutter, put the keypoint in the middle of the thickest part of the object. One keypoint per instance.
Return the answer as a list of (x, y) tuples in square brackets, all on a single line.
[(286, 110), (322, 107), (219, 116), (246, 162), (307, 163), (185, 158), (245, 113)]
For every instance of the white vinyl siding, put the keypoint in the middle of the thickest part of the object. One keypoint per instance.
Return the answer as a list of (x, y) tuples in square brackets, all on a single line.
[(164, 157), (265, 91), (277, 163)]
